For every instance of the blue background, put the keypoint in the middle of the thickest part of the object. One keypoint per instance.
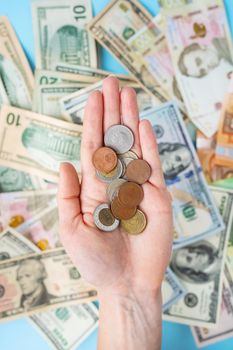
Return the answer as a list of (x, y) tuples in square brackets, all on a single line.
[(20, 334)]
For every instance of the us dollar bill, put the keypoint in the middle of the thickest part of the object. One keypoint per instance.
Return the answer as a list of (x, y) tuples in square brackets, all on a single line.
[(206, 336), (66, 328), (15, 72), (116, 28), (167, 4), (18, 207), (172, 289), (37, 144), (194, 210), (60, 34), (46, 98), (41, 281), (199, 40), (14, 180), (199, 267), (46, 77), (4, 100)]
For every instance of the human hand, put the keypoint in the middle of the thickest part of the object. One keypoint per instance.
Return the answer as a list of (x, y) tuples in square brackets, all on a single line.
[(115, 261)]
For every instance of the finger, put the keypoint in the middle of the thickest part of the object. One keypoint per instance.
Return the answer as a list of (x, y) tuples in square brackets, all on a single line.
[(129, 115), (68, 198), (111, 96), (150, 153), (92, 137)]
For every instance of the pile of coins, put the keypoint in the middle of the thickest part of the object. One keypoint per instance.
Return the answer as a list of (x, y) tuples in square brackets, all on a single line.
[(118, 166)]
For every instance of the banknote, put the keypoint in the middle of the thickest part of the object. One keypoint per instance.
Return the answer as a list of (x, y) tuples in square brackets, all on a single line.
[(13, 244), (199, 41), (4, 100), (66, 328), (46, 97), (224, 147), (60, 34), (167, 4), (18, 207), (52, 280), (47, 77), (37, 144), (15, 72), (194, 210), (206, 336), (14, 180), (43, 227), (172, 289), (199, 267), (118, 28)]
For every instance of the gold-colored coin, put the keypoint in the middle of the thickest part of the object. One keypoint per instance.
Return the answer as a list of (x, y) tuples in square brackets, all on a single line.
[(16, 221), (136, 224), (43, 244)]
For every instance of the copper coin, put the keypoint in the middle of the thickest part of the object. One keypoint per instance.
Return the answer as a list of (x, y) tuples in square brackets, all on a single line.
[(104, 159), (120, 211), (130, 194), (138, 171)]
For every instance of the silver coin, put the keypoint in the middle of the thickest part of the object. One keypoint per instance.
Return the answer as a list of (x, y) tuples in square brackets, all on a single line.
[(120, 138), (113, 175), (113, 188), (129, 154), (99, 224)]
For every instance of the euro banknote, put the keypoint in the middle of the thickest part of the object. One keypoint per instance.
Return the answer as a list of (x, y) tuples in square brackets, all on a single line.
[(194, 210), (60, 34), (37, 144)]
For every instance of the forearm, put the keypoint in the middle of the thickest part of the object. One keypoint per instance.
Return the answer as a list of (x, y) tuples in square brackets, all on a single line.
[(130, 321)]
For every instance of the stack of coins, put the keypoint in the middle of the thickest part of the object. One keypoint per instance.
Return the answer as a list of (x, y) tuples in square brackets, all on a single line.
[(118, 166)]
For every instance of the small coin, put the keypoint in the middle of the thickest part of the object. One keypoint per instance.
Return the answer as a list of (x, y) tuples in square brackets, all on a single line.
[(129, 154), (104, 218), (120, 211), (130, 194), (136, 224), (113, 187), (113, 175), (104, 159), (138, 171), (120, 138)]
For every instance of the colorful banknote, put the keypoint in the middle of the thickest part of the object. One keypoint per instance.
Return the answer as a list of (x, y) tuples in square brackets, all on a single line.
[(37, 144), (194, 210), (15, 72), (199, 41), (60, 34)]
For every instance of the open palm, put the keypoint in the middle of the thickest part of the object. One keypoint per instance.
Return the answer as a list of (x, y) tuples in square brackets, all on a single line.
[(115, 260)]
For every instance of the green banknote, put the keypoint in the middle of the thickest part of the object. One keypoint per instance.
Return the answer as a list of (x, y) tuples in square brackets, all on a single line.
[(60, 33), (37, 144)]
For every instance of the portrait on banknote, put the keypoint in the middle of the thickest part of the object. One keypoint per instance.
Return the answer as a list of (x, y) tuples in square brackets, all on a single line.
[(175, 158), (197, 263), (31, 275)]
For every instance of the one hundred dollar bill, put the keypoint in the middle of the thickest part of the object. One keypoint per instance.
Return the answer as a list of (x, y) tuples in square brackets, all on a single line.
[(15, 72), (117, 28), (66, 328), (194, 210), (14, 180), (37, 144), (199, 267), (199, 41), (172, 289), (18, 207), (207, 336), (52, 281), (60, 33)]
